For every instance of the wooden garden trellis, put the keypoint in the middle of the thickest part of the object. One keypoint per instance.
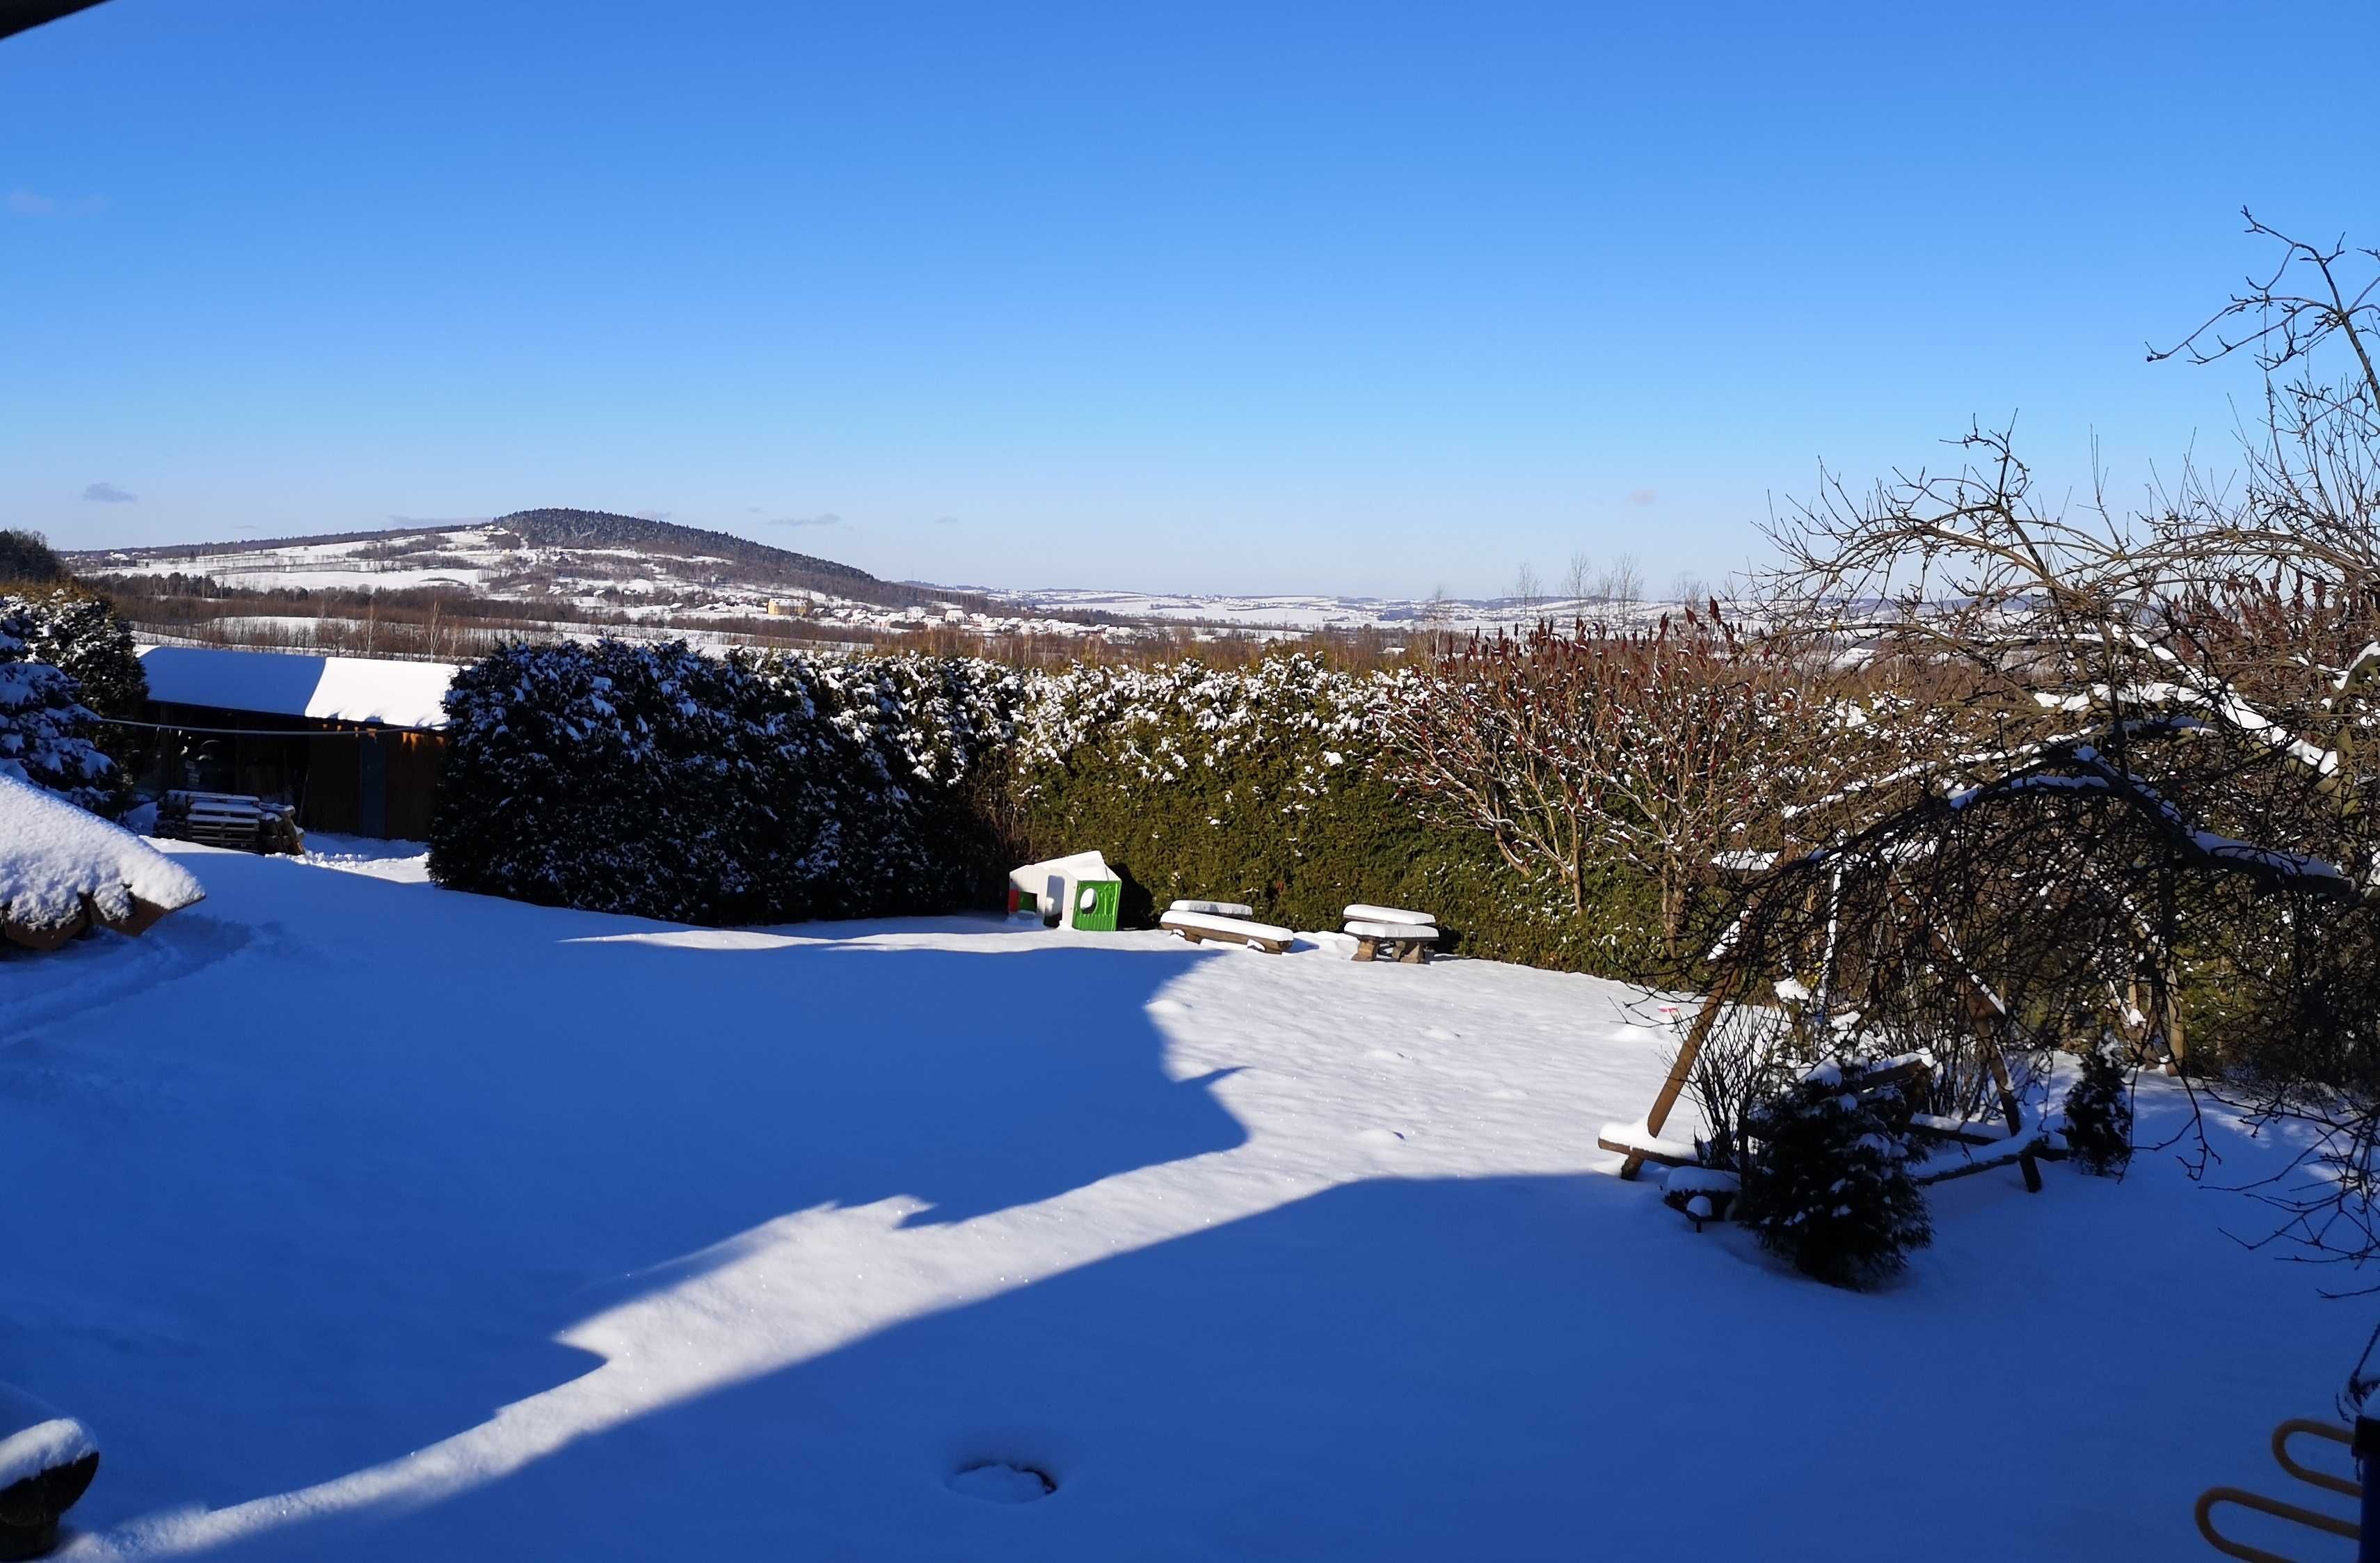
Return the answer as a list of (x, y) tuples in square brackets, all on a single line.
[(1987, 1018)]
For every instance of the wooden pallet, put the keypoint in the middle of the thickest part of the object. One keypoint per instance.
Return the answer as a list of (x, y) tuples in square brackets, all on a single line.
[(234, 819)]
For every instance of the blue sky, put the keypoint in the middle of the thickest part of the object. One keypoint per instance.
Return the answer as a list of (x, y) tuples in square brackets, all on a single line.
[(1349, 297)]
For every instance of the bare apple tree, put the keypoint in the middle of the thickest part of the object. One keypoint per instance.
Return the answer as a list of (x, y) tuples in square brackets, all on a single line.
[(2130, 784)]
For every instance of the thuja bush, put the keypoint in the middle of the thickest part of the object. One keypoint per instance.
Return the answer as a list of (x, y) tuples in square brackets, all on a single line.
[(76, 632), (1273, 786), (653, 779), (911, 810), (615, 776), (46, 731)]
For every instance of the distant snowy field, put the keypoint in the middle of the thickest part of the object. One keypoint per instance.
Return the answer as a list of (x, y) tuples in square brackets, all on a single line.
[(476, 558), (1297, 612), (366, 1220)]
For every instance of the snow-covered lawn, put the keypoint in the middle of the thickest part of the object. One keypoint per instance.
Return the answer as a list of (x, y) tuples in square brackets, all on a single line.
[(366, 1220)]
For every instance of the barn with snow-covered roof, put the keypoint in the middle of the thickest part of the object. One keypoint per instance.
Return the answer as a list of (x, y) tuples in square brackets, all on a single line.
[(355, 744)]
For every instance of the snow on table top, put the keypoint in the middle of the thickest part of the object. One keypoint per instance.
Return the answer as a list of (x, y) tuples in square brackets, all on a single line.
[(1230, 927), (757, 1236), (340, 689), (1217, 909), (1363, 911), (52, 855)]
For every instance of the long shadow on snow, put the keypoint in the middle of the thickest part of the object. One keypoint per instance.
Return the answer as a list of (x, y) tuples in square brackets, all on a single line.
[(440, 1180), (1510, 1368)]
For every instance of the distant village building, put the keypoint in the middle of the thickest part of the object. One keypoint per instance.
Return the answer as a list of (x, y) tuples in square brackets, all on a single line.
[(356, 744)]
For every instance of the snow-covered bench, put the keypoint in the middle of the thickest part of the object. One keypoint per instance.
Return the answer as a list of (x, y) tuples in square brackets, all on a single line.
[(1198, 926), (1403, 936), (63, 871), (1640, 1144), (1986, 1145)]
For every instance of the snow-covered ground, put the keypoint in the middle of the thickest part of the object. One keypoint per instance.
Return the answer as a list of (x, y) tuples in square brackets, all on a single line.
[(366, 1220)]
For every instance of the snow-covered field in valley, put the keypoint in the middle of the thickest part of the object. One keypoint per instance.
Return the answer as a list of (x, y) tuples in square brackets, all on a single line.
[(367, 1220)]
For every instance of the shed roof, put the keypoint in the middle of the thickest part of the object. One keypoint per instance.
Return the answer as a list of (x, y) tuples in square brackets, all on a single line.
[(336, 688)]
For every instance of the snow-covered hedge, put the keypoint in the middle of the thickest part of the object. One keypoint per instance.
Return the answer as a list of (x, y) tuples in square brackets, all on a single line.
[(45, 729), (655, 780), (1277, 786)]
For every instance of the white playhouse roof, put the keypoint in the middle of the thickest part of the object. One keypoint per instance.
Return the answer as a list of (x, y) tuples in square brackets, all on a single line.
[(334, 689)]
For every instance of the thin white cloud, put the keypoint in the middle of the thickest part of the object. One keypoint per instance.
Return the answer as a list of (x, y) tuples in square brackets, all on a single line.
[(1643, 496), (823, 519), (946, 521), (23, 203), (108, 493)]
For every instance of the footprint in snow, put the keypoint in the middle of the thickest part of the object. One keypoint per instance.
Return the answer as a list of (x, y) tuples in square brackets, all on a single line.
[(997, 1481), (1440, 1033), (1379, 1136)]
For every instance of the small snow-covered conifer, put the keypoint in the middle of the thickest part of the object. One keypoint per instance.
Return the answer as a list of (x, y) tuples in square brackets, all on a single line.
[(2099, 1113), (1829, 1186)]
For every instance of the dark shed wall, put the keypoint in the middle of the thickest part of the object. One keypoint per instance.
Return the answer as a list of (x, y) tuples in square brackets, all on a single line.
[(347, 779)]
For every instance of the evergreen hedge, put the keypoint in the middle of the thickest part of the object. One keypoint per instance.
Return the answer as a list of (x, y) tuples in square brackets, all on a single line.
[(46, 731), (1275, 788), (658, 781)]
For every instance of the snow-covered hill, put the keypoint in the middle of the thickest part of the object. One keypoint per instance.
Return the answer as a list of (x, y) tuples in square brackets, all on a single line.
[(632, 568), (594, 565), (578, 555)]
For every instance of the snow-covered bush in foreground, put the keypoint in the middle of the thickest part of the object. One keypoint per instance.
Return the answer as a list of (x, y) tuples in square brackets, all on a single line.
[(45, 730), (80, 635), (58, 864), (1827, 1186), (47, 1460)]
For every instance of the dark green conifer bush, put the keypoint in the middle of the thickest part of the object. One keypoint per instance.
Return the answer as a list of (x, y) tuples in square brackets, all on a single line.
[(1829, 1187)]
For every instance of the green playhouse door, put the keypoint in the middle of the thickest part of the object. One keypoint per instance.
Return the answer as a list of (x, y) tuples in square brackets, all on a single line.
[(1098, 904)]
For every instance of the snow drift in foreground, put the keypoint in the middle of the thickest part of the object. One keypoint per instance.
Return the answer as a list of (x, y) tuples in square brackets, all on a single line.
[(54, 856), (382, 1222)]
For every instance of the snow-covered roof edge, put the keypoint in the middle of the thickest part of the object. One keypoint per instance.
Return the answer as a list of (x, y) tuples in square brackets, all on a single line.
[(330, 688)]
